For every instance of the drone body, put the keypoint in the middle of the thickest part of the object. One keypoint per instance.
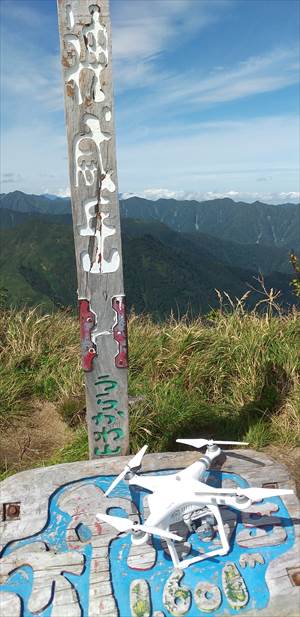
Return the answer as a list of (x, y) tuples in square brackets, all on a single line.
[(183, 496)]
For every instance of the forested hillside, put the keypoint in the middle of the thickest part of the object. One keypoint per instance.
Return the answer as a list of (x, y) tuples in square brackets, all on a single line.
[(164, 270), (175, 265)]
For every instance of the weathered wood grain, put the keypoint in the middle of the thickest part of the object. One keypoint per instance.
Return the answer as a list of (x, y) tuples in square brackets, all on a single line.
[(85, 37)]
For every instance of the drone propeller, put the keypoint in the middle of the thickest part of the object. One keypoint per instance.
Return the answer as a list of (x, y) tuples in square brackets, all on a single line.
[(134, 463), (242, 457), (252, 493), (124, 524), (199, 443)]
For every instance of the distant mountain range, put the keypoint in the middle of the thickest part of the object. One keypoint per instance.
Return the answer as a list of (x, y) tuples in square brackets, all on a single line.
[(34, 204), (172, 259), (255, 223)]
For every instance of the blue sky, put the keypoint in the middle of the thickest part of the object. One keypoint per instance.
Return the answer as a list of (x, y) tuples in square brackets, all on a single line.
[(207, 98)]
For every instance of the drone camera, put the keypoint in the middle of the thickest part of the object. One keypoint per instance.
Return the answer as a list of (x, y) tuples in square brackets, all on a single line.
[(205, 531), (202, 523)]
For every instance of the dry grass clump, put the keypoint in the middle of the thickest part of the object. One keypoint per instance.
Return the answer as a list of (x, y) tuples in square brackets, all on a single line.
[(34, 438), (231, 375), (39, 358)]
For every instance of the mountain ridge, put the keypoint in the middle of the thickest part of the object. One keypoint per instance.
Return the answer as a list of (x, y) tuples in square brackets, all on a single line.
[(252, 256), (256, 223)]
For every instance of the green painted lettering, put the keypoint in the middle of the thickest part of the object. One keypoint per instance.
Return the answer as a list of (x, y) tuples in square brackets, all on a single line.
[(110, 384), (104, 434), (107, 450), (110, 404), (103, 416)]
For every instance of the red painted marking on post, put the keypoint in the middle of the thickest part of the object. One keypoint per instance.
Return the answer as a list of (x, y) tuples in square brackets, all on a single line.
[(120, 331), (87, 323)]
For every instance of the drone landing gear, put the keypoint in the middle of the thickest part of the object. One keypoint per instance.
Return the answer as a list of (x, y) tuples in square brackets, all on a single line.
[(184, 563)]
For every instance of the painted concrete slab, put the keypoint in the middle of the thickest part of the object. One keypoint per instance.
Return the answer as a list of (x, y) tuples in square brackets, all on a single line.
[(56, 560)]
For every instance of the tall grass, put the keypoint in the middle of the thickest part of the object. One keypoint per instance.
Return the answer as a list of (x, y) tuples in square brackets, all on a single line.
[(39, 358), (236, 376), (230, 375)]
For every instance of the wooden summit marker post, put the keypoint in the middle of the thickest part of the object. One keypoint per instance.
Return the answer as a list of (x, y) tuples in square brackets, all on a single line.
[(85, 38)]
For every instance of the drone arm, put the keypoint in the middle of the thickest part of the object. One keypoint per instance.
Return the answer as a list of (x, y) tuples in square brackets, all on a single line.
[(197, 470), (149, 483)]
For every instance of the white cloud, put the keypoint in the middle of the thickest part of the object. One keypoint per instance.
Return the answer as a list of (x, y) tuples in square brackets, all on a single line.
[(35, 152), (141, 35), (143, 31), (38, 82), (276, 69), (272, 198), (31, 76), (63, 192), (217, 157), (272, 71)]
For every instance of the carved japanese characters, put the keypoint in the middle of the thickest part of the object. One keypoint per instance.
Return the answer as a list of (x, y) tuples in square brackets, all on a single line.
[(85, 38), (107, 434), (87, 52)]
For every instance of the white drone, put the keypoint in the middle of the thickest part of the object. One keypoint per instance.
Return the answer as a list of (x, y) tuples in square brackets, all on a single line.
[(182, 496)]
